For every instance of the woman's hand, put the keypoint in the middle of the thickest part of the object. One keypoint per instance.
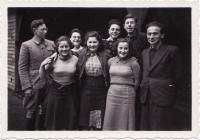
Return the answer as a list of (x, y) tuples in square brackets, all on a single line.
[(54, 56), (47, 61), (109, 39)]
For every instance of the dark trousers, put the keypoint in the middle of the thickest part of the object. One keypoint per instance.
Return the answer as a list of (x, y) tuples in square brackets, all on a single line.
[(154, 117), (35, 106)]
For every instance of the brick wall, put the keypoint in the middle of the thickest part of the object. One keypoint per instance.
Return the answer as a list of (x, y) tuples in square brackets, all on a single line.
[(11, 49)]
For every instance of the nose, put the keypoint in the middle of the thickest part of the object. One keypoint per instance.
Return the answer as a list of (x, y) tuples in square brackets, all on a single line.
[(129, 24), (45, 31), (122, 50), (64, 48), (151, 36)]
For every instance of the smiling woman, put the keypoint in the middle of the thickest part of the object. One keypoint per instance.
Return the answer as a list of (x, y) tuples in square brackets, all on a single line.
[(60, 76), (92, 67), (124, 73)]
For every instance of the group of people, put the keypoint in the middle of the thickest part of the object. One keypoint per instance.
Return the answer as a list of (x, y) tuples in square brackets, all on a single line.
[(69, 86)]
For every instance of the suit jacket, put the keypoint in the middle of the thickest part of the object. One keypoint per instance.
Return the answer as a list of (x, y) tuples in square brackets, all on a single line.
[(103, 58), (160, 78), (31, 55)]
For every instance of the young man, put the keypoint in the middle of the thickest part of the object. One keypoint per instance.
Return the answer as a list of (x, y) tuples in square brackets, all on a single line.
[(139, 43), (138, 39), (161, 73), (32, 53)]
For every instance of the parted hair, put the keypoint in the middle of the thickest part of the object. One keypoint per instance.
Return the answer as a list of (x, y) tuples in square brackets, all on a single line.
[(114, 21), (158, 24), (97, 36), (63, 38), (77, 30), (130, 46), (130, 16), (35, 23)]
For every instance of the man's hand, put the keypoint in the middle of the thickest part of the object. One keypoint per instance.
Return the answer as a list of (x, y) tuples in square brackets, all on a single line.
[(28, 92)]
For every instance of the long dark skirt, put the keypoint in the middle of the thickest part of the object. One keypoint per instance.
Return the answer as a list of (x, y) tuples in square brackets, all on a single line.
[(61, 110), (93, 100)]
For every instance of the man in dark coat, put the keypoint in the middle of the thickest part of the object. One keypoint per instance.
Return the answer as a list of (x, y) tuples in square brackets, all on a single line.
[(139, 43), (32, 53), (138, 39), (161, 72)]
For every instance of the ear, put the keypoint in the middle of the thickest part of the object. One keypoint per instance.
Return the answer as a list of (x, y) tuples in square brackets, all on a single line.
[(162, 36), (33, 29)]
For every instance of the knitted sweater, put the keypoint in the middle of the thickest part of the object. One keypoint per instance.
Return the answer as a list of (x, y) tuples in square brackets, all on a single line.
[(124, 72)]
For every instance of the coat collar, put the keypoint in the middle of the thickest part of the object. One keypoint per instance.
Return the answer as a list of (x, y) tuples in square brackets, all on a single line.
[(158, 56)]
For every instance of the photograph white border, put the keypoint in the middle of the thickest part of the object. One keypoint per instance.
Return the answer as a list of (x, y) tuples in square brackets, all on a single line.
[(98, 135)]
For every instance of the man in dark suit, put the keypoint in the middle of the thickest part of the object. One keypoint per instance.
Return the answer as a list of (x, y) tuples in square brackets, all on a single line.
[(161, 71)]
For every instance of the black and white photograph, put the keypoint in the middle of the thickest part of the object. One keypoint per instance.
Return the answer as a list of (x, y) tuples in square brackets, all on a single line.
[(95, 69)]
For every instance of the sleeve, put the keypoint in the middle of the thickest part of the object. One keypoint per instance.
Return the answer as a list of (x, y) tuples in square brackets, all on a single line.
[(109, 62), (136, 72), (176, 65), (23, 67)]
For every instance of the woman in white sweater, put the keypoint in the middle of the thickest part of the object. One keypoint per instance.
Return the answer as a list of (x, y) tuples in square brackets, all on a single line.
[(60, 75), (124, 79)]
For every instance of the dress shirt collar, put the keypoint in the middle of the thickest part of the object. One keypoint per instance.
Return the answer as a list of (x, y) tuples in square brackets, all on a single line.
[(89, 54), (37, 42), (157, 46), (133, 35)]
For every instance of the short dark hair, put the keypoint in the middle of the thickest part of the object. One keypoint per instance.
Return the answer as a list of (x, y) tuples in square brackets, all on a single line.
[(130, 16), (98, 37), (130, 46), (63, 38), (156, 23), (114, 21), (36, 23), (75, 30)]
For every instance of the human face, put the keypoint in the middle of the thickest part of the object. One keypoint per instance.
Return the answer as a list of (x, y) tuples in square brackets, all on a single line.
[(63, 49), (92, 44), (123, 49), (76, 38), (154, 35), (41, 31), (129, 25), (114, 31)]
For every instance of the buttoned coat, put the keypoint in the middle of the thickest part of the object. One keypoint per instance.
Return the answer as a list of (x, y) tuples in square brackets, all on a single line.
[(160, 78), (30, 58), (103, 58)]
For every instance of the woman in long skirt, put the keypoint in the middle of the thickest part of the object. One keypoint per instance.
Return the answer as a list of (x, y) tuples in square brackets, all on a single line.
[(60, 76), (124, 80), (93, 75)]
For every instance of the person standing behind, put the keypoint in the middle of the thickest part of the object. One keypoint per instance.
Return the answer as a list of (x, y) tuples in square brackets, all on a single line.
[(61, 108), (76, 40), (114, 31), (32, 53), (93, 76), (124, 73), (139, 43), (161, 73), (138, 39)]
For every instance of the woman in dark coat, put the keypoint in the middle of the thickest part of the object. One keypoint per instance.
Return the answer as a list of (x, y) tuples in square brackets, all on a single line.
[(93, 76), (60, 75)]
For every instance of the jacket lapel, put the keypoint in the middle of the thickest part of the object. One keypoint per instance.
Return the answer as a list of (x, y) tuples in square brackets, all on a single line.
[(158, 56), (146, 59)]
